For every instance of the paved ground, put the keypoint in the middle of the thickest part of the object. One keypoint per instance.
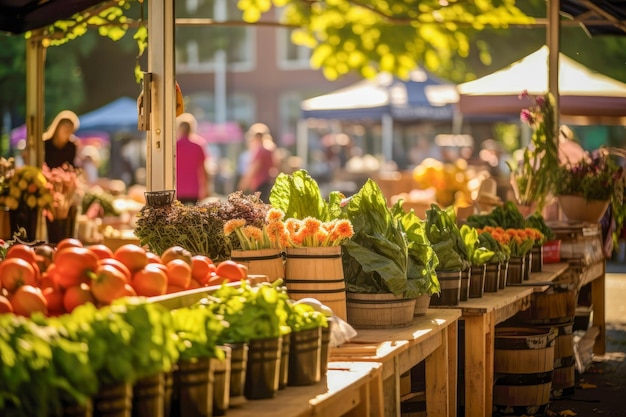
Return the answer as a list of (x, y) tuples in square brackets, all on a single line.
[(601, 390)]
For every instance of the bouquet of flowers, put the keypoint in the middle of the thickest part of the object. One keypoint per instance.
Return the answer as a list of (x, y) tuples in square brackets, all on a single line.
[(64, 186), (533, 176), (28, 188)]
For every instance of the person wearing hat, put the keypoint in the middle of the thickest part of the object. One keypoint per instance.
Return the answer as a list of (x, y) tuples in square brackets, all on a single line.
[(59, 140)]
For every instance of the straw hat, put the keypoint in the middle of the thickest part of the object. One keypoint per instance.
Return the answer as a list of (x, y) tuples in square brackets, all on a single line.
[(64, 115), (190, 119)]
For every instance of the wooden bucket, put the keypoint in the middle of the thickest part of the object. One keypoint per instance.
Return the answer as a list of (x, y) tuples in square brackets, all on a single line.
[(450, 282), (528, 264), (465, 284), (317, 273), (555, 305), (421, 305), (376, 311), (503, 276), (477, 281), (537, 260), (564, 377), (523, 367), (515, 273), (261, 262), (492, 275)]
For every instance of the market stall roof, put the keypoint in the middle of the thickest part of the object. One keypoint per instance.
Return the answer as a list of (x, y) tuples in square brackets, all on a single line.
[(120, 114), (583, 92), (19, 16), (406, 100), (599, 17)]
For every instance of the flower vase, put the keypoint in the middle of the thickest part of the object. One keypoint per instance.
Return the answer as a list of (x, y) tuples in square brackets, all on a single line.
[(578, 209), (59, 229), (24, 218)]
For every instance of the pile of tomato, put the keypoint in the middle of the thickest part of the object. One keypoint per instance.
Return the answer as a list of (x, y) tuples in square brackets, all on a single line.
[(56, 280)]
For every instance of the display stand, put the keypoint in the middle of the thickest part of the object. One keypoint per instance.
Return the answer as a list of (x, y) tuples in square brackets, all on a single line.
[(480, 316)]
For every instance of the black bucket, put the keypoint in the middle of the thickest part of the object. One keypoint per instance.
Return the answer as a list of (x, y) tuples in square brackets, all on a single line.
[(195, 388), (284, 363), (221, 383), (304, 357), (148, 396), (263, 368), (113, 401), (238, 363), (450, 282), (324, 351), (477, 281), (492, 275)]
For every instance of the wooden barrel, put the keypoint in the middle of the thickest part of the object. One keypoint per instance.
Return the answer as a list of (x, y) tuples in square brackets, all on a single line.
[(376, 311), (450, 282), (523, 367), (555, 305), (317, 273), (261, 262), (564, 377)]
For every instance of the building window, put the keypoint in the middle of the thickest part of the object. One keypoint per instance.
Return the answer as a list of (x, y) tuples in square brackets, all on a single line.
[(196, 46), (289, 114), (290, 55)]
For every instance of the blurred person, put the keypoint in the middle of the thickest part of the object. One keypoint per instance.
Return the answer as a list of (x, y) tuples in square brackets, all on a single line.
[(90, 163), (191, 174), (262, 165), (59, 140)]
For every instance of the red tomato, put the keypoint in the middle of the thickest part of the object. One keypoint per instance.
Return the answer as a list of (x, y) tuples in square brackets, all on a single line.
[(118, 265), (107, 284), (73, 265), (178, 273), (153, 258), (131, 255), (102, 251), (15, 272), (54, 297), (20, 250), (193, 284), (201, 267), (28, 299), (231, 271), (150, 281), (129, 291), (5, 305), (171, 289), (176, 252), (77, 295), (69, 242)]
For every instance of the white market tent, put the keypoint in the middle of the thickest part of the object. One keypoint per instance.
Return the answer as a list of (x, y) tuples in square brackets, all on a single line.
[(586, 97)]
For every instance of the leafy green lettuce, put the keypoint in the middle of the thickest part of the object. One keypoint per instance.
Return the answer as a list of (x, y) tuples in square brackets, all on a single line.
[(477, 253), (298, 196), (375, 260), (445, 238)]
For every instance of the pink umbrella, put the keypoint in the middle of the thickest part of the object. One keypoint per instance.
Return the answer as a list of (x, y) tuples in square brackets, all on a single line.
[(229, 132)]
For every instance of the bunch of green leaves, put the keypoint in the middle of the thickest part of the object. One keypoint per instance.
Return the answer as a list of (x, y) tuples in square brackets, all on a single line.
[(101, 197), (506, 216), (199, 228), (375, 260), (445, 237), (298, 195), (303, 316), (41, 368), (197, 330), (422, 260), (251, 312), (476, 252), (536, 221), (501, 252)]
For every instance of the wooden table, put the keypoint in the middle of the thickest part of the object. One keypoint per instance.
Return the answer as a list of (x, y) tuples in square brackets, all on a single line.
[(480, 316), (351, 389), (431, 338)]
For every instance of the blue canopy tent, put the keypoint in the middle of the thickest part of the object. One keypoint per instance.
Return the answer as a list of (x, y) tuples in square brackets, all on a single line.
[(118, 115), (385, 98)]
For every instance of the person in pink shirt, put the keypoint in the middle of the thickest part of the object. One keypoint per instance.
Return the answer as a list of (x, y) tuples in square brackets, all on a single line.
[(191, 174), (261, 171)]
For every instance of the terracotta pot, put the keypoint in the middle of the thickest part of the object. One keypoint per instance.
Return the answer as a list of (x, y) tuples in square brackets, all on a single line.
[(578, 209)]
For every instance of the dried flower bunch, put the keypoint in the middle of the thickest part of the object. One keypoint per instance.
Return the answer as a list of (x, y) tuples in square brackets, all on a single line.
[(28, 188), (64, 185), (279, 233)]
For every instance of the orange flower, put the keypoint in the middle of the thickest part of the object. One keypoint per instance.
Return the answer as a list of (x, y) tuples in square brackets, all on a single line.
[(231, 225), (274, 215)]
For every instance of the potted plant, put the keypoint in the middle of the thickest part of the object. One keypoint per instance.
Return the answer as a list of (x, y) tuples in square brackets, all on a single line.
[(497, 266), (375, 263), (533, 176), (199, 228), (422, 260), (587, 188), (478, 256)]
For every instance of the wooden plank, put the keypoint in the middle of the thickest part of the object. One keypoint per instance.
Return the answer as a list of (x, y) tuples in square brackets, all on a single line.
[(475, 364), (509, 310), (453, 366), (598, 298), (437, 388)]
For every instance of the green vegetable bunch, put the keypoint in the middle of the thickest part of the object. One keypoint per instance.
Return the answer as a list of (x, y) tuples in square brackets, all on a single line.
[(197, 331), (445, 237), (506, 216), (476, 252), (298, 195), (375, 260), (536, 221), (303, 316), (41, 368), (422, 260), (501, 252), (251, 312), (199, 228)]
